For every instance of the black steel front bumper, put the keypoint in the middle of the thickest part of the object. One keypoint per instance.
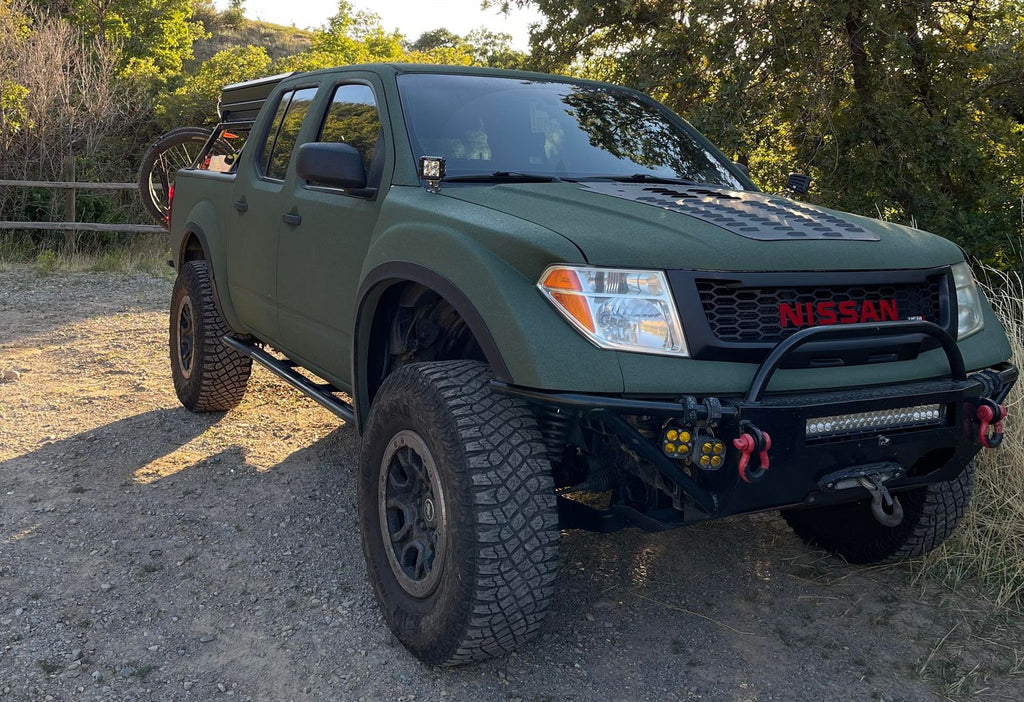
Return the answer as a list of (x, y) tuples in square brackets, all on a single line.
[(801, 466)]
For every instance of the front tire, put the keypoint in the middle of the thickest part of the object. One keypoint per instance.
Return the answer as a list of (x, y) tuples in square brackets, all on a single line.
[(209, 376), (930, 514), (457, 513)]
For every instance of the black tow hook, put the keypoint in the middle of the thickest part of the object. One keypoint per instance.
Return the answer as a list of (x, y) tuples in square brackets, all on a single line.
[(990, 416), (885, 507), (752, 440)]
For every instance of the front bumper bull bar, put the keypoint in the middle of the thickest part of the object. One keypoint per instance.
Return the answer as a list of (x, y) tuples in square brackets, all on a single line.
[(800, 464)]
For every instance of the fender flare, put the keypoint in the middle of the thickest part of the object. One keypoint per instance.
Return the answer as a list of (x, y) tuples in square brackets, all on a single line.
[(193, 229), (373, 287)]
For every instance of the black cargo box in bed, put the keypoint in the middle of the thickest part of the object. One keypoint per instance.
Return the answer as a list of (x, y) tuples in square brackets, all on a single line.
[(241, 102)]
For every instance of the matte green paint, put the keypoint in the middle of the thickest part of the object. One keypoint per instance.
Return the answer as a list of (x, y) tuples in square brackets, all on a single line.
[(616, 232), (295, 287)]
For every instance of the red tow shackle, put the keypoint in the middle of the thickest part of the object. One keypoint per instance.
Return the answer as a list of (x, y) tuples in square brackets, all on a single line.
[(991, 415), (751, 441)]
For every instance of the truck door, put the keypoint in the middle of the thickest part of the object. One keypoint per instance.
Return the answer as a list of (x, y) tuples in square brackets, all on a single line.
[(259, 200), (323, 246)]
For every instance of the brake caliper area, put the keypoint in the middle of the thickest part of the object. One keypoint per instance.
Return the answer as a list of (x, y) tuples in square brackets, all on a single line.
[(990, 416), (752, 440)]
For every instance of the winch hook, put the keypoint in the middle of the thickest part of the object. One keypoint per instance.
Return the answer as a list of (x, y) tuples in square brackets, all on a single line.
[(884, 506)]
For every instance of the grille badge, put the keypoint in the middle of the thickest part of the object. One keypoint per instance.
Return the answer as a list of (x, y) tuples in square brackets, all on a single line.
[(828, 312)]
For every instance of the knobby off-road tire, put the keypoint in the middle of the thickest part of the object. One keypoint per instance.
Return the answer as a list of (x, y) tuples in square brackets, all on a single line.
[(209, 376), (930, 514), (488, 538)]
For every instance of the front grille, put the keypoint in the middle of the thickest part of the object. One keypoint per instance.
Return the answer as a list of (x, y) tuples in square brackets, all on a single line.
[(739, 314)]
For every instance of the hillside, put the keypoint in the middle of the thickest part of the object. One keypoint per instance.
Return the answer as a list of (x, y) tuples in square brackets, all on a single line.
[(278, 40)]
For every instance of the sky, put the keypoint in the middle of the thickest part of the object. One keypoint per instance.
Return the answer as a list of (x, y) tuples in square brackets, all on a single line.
[(411, 17)]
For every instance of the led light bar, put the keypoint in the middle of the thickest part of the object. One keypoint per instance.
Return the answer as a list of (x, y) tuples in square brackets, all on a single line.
[(897, 418)]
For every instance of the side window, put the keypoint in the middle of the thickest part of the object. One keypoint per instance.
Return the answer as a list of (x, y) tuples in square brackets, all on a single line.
[(352, 119), (284, 132), (275, 126)]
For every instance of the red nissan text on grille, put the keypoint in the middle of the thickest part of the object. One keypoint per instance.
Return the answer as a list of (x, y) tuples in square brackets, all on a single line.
[(804, 314)]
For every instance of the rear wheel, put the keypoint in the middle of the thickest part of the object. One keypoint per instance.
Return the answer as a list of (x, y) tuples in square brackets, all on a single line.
[(457, 513), (208, 375), (930, 514)]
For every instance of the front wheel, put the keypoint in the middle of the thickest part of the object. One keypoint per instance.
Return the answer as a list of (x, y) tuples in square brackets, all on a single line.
[(457, 513), (930, 514), (208, 374)]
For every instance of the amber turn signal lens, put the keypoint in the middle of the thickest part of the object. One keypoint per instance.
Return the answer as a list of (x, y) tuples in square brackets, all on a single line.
[(575, 305)]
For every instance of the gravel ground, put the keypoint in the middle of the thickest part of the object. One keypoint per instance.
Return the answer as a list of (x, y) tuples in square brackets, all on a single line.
[(147, 553)]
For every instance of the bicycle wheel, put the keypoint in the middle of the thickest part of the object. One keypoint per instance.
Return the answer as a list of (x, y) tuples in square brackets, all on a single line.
[(177, 149)]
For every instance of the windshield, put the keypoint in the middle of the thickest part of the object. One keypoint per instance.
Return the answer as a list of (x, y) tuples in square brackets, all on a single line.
[(485, 125)]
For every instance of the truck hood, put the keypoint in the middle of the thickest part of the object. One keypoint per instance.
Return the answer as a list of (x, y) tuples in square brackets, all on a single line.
[(647, 225)]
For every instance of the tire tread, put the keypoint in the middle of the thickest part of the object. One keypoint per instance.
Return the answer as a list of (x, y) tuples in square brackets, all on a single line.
[(931, 514), (512, 499), (220, 373)]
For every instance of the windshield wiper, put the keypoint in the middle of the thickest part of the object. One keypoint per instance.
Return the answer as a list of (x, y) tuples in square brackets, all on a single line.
[(502, 177), (646, 178)]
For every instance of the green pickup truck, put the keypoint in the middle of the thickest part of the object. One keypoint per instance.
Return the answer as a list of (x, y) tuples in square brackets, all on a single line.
[(547, 304)]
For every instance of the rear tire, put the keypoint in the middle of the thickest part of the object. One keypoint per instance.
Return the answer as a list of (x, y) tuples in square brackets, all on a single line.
[(468, 576), (930, 514), (209, 376)]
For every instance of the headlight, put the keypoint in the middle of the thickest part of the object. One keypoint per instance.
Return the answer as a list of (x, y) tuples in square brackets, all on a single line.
[(969, 316), (628, 310)]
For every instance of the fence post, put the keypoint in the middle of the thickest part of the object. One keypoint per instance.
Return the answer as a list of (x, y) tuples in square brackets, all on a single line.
[(69, 205)]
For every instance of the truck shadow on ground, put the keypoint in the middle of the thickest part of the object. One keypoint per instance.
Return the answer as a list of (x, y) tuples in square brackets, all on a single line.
[(155, 531)]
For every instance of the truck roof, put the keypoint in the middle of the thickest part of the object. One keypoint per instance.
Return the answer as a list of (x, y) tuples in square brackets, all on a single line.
[(400, 68)]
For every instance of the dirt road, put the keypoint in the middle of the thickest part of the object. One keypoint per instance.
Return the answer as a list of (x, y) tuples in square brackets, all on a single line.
[(150, 554)]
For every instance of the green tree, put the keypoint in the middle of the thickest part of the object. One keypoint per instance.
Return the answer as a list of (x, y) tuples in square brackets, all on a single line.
[(151, 35), (15, 28), (234, 15), (494, 49), (195, 102), (912, 110), (439, 38), (349, 37)]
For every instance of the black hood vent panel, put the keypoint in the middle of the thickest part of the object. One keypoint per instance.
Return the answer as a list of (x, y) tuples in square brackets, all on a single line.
[(753, 215)]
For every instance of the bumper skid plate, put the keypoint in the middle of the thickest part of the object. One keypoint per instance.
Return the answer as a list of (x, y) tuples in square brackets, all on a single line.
[(894, 437)]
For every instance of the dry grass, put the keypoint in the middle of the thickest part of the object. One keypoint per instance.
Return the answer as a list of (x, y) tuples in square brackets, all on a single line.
[(988, 548), (146, 253)]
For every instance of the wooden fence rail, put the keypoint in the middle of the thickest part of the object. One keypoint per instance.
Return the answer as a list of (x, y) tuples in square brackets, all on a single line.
[(69, 208)]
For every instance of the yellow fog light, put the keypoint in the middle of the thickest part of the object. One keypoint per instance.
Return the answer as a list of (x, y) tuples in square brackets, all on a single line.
[(716, 462), (705, 460), (672, 435), (670, 448)]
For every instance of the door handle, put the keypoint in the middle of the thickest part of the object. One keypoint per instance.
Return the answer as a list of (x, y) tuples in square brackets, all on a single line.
[(290, 218), (241, 205)]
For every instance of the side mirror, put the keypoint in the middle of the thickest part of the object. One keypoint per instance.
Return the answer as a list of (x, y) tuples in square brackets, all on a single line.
[(742, 167), (333, 165)]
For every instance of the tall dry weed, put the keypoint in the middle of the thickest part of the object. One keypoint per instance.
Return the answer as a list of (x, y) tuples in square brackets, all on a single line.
[(988, 547)]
